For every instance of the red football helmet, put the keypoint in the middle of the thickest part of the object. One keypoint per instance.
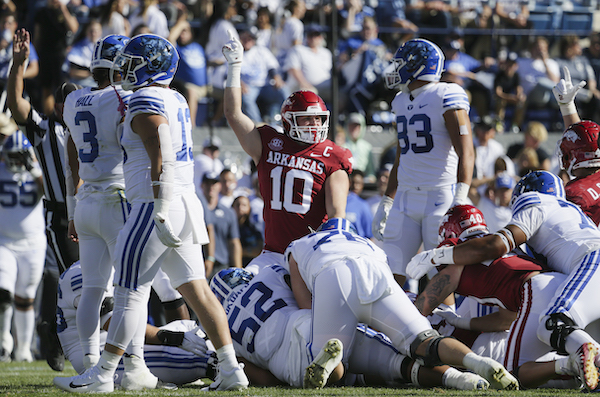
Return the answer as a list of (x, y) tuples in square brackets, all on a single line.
[(578, 147), (462, 221), (305, 103)]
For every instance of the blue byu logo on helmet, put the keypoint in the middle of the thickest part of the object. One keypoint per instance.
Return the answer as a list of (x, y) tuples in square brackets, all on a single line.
[(224, 282), (539, 181), (417, 59), (145, 60), (106, 50)]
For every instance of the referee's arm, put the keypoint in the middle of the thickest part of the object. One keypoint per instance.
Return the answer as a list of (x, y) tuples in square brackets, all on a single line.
[(18, 105)]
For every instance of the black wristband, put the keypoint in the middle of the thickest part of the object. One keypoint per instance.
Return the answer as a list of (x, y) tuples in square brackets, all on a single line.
[(170, 338)]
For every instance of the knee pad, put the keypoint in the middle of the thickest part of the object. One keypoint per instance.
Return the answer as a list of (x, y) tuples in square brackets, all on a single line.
[(431, 358), (6, 299), (560, 325)]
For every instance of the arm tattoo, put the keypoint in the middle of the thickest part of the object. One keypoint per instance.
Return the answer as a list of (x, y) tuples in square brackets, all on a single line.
[(436, 291)]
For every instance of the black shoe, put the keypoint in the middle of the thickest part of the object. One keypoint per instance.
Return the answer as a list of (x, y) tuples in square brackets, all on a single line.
[(50, 346)]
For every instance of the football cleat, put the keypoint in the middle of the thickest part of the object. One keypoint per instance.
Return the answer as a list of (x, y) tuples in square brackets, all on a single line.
[(89, 382), (471, 381), (495, 374), (584, 360), (229, 380), (317, 373), (23, 356)]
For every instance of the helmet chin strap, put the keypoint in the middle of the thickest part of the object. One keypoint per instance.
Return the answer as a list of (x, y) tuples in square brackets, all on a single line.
[(404, 87)]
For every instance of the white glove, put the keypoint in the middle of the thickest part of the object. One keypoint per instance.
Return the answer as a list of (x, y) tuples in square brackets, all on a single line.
[(565, 93), (452, 318), (194, 342), (233, 50), (420, 265), (425, 261), (380, 217), (164, 230), (460, 195)]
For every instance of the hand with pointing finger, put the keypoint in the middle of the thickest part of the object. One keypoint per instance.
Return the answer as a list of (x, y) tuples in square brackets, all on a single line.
[(233, 50), (565, 93)]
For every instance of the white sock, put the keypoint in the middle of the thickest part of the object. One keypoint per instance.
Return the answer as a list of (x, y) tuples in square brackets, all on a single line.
[(226, 357), (108, 364), (473, 362), (5, 323), (88, 320), (561, 366), (24, 326), (451, 377), (576, 339)]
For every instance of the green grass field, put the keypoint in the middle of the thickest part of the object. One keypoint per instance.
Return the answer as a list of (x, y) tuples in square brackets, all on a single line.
[(35, 379)]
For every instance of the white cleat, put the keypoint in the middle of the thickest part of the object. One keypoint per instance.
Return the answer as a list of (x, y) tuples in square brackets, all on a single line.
[(471, 381), (233, 380), (317, 373), (88, 382), (139, 379), (23, 356), (584, 363), (497, 375)]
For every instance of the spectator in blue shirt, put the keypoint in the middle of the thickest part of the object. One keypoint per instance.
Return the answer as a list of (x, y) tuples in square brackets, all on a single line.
[(358, 210)]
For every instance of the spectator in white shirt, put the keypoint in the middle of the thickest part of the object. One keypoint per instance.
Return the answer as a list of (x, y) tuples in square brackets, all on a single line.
[(309, 66)]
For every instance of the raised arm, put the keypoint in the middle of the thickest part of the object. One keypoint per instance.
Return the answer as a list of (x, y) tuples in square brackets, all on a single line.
[(242, 125), (19, 106), (564, 93)]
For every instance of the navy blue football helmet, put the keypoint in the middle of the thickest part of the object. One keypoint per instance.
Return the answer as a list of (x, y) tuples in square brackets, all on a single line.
[(145, 60), (337, 224), (13, 149), (226, 280), (106, 50), (539, 181), (417, 59)]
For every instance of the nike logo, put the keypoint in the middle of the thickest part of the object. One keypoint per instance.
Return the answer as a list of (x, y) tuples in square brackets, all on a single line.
[(315, 155), (438, 204), (423, 105), (106, 369), (74, 386)]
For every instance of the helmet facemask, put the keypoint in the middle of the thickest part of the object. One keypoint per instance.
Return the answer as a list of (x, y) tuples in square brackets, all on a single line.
[(308, 133)]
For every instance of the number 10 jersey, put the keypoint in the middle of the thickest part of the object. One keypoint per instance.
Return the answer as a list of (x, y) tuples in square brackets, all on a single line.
[(292, 177)]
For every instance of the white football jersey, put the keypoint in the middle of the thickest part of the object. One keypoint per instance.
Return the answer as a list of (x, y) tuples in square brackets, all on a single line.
[(93, 117), (258, 317), (427, 159), (136, 163), (317, 250), (556, 229), (22, 215)]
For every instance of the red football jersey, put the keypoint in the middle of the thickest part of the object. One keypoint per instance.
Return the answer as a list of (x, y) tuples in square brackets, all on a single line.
[(499, 283), (291, 177), (585, 192)]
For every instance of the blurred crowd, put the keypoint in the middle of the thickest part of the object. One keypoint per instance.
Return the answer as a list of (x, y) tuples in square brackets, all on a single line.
[(289, 46)]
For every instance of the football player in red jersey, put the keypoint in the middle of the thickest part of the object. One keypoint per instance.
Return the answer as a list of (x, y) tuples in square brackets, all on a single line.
[(515, 284), (578, 150), (303, 176)]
